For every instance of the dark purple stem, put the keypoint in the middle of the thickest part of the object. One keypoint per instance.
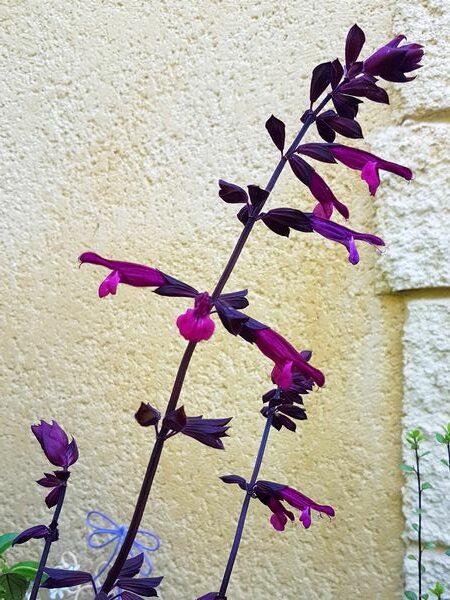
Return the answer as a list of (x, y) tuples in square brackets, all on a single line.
[(181, 373), (448, 453), (419, 531), (48, 543), (244, 510)]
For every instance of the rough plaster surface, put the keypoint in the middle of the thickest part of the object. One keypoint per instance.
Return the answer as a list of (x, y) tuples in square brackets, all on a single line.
[(429, 22), (418, 252), (117, 120), (426, 405)]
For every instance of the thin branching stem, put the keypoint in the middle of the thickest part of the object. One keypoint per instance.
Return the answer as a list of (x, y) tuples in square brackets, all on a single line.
[(244, 510), (182, 369), (48, 544)]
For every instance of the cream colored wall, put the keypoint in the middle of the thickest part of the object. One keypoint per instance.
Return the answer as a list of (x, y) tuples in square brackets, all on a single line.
[(118, 118)]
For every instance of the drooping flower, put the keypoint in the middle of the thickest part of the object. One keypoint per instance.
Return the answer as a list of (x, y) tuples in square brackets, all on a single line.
[(392, 61), (136, 275), (273, 494), (36, 532), (319, 189), (55, 444), (286, 358), (343, 235), (369, 165), (205, 431), (196, 324)]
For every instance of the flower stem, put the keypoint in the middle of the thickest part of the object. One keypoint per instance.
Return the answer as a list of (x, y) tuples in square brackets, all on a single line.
[(419, 531), (48, 543), (244, 510), (182, 369)]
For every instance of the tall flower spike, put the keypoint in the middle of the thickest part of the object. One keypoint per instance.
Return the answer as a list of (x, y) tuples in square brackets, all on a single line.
[(273, 494), (136, 275), (196, 324)]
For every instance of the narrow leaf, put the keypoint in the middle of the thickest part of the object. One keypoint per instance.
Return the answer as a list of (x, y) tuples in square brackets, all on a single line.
[(411, 595), (426, 486), (407, 468), (6, 541), (321, 77), (277, 131)]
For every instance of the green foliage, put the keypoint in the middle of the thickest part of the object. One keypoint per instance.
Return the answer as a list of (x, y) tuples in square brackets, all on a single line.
[(407, 468), (426, 486), (411, 595), (6, 541), (13, 586), (438, 590), (445, 438), (414, 437)]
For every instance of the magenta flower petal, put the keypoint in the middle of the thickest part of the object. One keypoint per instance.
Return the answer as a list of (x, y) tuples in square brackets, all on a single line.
[(283, 376), (343, 235), (273, 495), (196, 324), (280, 351), (109, 284), (369, 165), (124, 272)]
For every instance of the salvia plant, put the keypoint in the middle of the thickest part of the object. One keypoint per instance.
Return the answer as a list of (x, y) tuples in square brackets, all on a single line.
[(337, 90), (415, 439)]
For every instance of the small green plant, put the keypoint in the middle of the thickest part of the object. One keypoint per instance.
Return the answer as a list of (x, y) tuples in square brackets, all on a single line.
[(15, 579), (445, 439)]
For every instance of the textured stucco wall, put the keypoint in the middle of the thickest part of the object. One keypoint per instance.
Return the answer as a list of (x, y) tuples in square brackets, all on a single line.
[(117, 120)]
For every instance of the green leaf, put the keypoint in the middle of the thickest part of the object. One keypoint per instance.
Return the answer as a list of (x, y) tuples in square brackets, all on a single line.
[(424, 596), (15, 587), (415, 526), (6, 541), (411, 595), (445, 462), (447, 552), (438, 589), (440, 438), (411, 557), (425, 453), (426, 486), (407, 468), (26, 569), (422, 569), (429, 545)]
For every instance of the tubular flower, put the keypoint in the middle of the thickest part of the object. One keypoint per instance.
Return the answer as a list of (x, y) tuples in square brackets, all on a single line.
[(273, 494), (196, 324), (392, 61), (343, 235), (124, 272), (286, 358), (369, 165), (55, 444)]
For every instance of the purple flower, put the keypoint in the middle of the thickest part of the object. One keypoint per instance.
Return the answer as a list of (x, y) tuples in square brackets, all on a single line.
[(196, 324), (273, 494), (369, 165), (55, 444), (392, 61), (36, 532), (57, 481), (287, 359), (281, 403), (205, 431), (319, 189), (343, 235), (124, 272)]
